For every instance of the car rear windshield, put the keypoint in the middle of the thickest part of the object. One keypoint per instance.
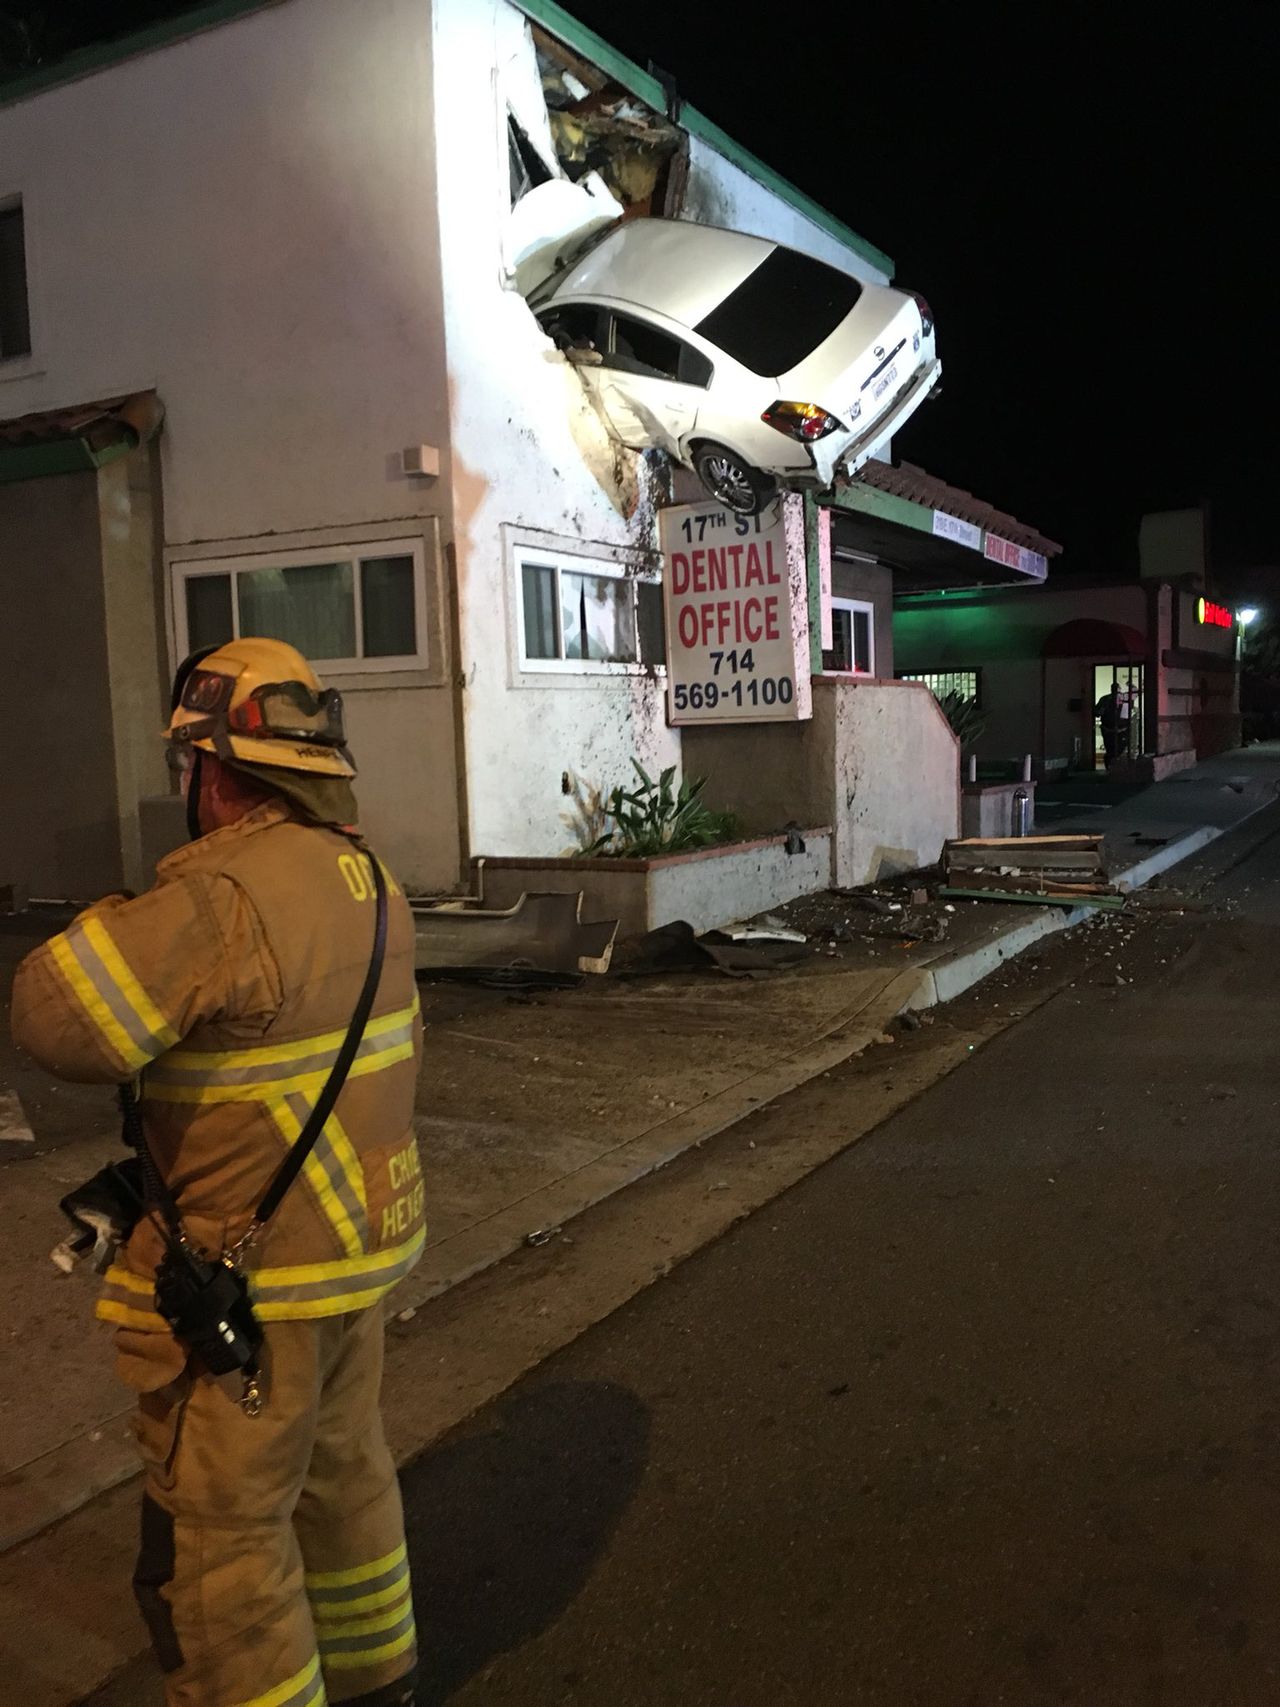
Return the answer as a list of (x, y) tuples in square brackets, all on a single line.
[(781, 312)]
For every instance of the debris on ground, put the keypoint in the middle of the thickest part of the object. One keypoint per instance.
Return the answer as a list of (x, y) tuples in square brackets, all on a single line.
[(542, 940), (764, 930), (1049, 870), (677, 946), (541, 1236)]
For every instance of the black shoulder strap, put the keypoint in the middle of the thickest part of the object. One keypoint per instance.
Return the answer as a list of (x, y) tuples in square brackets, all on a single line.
[(157, 1187), (305, 1142)]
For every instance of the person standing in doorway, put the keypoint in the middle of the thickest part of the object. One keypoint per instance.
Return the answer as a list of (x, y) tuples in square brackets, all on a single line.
[(1113, 719)]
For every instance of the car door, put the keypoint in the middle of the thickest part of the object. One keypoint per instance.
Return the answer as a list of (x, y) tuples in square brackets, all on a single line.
[(651, 384)]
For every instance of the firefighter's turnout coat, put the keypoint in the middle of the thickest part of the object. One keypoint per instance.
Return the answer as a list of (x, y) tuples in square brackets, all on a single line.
[(228, 988)]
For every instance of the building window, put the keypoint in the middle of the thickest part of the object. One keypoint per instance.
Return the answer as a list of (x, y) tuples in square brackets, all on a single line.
[(15, 312), (351, 607), (525, 165), (580, 615), (853, 639), (966, 683)]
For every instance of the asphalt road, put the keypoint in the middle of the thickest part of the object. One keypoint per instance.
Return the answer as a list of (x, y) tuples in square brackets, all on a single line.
[(986, 1411)]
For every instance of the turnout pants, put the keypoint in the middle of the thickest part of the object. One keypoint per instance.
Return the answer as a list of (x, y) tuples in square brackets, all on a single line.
[(273, 1571)]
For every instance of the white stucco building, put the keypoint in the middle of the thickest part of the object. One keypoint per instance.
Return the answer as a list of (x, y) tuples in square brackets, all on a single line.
[(262, 259)]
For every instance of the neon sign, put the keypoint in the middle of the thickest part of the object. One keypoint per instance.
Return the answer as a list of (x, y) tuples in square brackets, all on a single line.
[(1214, 616)]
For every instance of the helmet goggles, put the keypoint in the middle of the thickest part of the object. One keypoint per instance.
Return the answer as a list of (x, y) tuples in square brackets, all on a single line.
[(283, 711)]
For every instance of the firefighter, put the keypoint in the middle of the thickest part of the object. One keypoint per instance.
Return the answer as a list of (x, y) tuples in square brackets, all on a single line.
[(272, 1570)]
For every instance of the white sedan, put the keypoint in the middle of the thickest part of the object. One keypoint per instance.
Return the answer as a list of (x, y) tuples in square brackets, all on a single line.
[(749, 362)]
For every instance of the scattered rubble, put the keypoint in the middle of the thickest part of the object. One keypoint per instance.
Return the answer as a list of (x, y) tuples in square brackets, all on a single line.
[(1062, 871)]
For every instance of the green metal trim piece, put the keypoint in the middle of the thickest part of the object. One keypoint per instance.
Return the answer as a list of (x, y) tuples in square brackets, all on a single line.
[(57, 456), (876, 503), (109, 453), (813, 574), (105, 54), (646, 88), (1109, 903), (31, 462)]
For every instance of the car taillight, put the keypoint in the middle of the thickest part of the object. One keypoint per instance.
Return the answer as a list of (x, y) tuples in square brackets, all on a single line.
[(926, 313), (804, 421)]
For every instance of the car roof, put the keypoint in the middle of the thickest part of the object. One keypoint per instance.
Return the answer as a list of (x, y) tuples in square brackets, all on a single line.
[(670, 266)]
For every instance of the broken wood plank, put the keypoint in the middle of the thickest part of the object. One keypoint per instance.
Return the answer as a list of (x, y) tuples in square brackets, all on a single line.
[(1032, 898), (1033, 885), (1024, 841)]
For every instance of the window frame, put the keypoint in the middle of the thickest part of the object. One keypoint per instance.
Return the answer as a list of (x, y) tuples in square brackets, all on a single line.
[(21, 363), (858, 607), (521, 148), (923, 678), (184, 569), (525, 554)]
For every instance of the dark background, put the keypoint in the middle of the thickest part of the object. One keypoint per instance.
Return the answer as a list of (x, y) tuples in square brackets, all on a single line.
[(1086, 195)]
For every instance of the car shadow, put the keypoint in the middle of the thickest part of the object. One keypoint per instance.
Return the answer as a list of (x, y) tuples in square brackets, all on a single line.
[(507, 1520)]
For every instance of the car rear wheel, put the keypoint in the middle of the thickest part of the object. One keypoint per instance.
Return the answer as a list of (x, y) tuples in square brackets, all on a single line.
[(731, 481)]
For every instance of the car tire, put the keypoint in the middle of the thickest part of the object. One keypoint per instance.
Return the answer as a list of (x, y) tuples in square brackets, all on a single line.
[(731, 480)]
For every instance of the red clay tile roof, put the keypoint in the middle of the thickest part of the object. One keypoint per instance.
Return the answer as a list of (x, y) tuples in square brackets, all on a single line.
[(908, 481)]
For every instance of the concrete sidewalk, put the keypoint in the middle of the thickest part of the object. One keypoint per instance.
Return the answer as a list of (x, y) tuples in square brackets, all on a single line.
[(534, 1108)]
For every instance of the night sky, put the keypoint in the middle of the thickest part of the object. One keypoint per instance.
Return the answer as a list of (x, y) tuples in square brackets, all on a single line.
[(1084, 193)]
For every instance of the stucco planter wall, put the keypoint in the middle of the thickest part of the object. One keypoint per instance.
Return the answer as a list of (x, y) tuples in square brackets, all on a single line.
[(986, 808), (878, 760), (710, 888)]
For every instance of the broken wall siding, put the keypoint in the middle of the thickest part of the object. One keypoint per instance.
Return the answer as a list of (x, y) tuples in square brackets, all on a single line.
[(532, 466)]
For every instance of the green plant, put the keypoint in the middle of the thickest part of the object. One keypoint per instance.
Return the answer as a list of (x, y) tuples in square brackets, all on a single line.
[(962, 713), (655, 818)]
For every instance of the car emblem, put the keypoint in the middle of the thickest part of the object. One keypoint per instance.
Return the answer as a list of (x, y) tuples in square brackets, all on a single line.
[(879, 350)]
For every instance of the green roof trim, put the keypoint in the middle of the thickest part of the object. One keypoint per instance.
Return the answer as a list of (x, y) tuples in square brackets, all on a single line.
[(102, 55), (876, 503), (31, 462), (646, 88), (56, 456)]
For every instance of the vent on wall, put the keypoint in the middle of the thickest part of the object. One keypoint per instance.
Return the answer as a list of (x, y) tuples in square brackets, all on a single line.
[(420, 459)]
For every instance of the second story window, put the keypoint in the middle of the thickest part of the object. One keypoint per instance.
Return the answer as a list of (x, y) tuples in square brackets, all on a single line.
[(15, 317)]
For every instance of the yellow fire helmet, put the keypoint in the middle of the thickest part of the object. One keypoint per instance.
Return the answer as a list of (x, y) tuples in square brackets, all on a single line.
[(261, 702)]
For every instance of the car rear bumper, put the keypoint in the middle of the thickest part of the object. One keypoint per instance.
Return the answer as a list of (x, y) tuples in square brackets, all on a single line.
[(848, 451)]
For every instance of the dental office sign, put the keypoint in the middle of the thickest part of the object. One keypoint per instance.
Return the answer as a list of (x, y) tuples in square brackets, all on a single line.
[(736, 596)]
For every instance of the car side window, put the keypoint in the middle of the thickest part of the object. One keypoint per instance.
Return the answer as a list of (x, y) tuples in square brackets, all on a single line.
[(636, 347), (575, 325)]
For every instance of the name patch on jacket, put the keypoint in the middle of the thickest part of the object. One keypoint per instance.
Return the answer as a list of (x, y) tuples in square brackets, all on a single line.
[(406, 1172)]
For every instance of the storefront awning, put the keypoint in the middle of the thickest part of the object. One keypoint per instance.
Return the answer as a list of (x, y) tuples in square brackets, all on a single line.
[(934, 536), (1090, 637), (67, 441)]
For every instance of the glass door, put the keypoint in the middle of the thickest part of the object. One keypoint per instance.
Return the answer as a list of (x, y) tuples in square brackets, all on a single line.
[(1119, 734)]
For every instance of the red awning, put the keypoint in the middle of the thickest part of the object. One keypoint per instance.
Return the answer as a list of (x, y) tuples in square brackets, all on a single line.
[(1090, 637)]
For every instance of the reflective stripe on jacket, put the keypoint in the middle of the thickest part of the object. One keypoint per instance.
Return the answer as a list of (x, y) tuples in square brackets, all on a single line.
[(229, 986)]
